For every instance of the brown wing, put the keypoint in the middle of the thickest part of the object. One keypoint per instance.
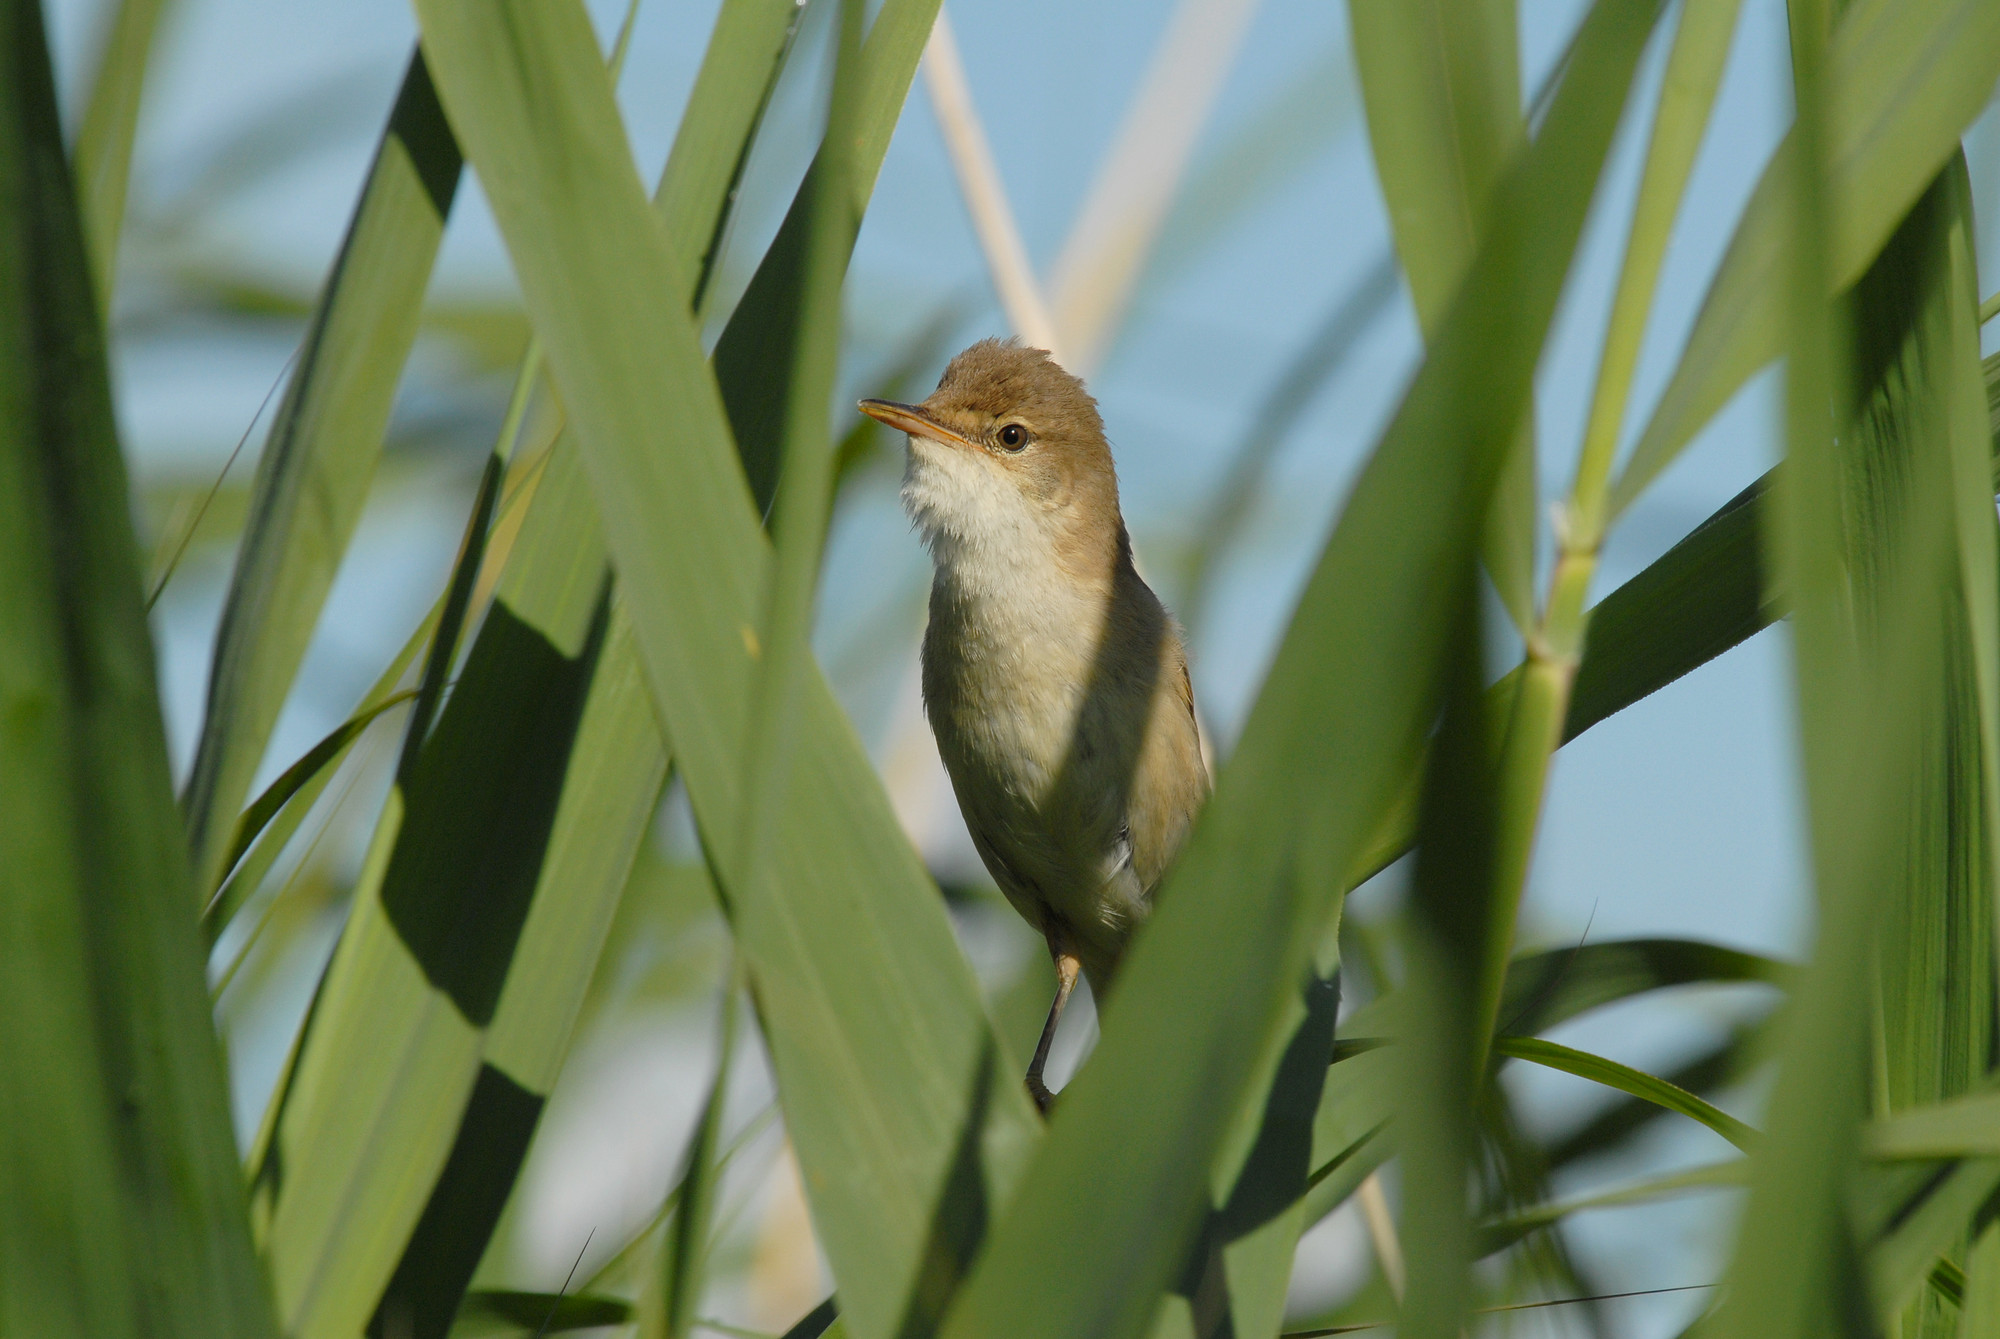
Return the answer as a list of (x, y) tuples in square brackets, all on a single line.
[(1172, 781)]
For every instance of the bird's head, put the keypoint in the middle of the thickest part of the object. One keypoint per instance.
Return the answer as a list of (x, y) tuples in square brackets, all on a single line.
[(1008, 460)]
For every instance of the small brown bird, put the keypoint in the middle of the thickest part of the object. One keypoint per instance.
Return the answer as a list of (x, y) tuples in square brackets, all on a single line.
[(1055, 682)]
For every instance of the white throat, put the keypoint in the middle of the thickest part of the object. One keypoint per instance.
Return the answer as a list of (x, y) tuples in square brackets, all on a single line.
[(993, 548)]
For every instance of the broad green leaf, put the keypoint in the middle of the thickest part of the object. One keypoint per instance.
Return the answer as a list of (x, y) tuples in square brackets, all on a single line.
[(1441, 80), (1625, 1079), (908, 1119), (121, 1206), (1917, 376), (800, 390), (1334, 733), (698, 190), (459, 1167), (103, 157), (466, 893), (1700, 598), (313, 476), (762, 332), (1906, 77)]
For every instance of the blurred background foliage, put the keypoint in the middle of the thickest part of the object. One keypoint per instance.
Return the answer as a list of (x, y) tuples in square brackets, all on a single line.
[(524, 1034)]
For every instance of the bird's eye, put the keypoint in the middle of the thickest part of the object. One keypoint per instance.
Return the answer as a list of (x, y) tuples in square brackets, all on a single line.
[(1013, 437)]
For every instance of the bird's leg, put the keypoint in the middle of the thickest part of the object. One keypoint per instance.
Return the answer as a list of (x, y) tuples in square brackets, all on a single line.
[(1066, 970)]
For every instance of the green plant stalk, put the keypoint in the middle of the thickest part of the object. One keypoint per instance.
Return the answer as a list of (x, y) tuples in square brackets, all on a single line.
[(1555, 648)]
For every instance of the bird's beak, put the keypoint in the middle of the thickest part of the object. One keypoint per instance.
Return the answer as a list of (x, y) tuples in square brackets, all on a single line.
[(912, 419)]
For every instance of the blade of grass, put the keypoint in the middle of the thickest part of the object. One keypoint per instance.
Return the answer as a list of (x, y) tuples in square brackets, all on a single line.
[(900, 1103), (103, 157), (1208, 981), (254, 863), (120, 1201), (685, 1244), (763, 328), (1441, 80), (322, 757), (1718, 1067), (1625, 1079), (313, 476), (1906, 77)]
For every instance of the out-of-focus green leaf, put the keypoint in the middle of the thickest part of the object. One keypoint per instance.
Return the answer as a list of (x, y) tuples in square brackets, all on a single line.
[(1442, 83), (908, 1119), (1335, 731), (684, 1246), (1626, 1079), (1905, 77), (1865, 536), (1502, 1233), (1550, 987), (1443, 1039), (314, 473), (1918, 390), (121, 1205), (1906, 1255), (103, 158), (1960, 1127), (1289, 397)]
